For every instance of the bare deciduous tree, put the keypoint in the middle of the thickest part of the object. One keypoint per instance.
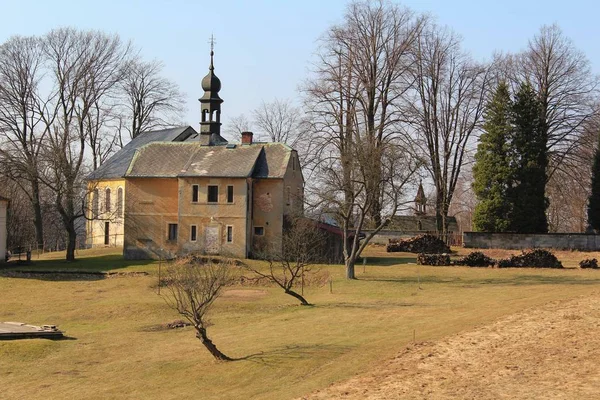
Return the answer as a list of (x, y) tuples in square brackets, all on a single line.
[(237, 125), (445, 108), (192, 288), (21, 62), (84, 68), (151, 101), (280, 120), (302, 246), (566, 87)]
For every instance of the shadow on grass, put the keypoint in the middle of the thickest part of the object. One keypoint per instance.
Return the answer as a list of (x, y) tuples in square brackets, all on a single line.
[(92, 267), (295, 352), (522, 280), (387, 261)]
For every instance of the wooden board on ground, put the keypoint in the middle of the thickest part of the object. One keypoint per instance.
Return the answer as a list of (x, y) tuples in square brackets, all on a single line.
[(20, 330)]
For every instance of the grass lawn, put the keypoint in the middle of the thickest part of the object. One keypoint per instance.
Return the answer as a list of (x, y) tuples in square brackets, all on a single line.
[(283, 350)]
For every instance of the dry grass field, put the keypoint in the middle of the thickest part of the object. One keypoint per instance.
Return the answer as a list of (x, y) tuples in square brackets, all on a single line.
[(117, 349)]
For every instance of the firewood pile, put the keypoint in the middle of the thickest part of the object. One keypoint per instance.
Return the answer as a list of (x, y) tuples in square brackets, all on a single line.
[(428, 244), (537, 258), (589, 263), (433, 259), (476, 259)]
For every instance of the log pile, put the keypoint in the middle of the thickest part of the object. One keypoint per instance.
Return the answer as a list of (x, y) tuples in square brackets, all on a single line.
[(428, 244), (433, 259), (537, 258), (589, 263), (476, 259)]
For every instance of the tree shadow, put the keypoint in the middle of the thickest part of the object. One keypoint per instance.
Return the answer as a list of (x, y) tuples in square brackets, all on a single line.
[(521, 280), (293, 352), (387, 261)]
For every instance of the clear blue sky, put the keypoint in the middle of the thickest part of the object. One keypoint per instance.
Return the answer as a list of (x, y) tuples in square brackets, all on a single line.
[(264, 48)]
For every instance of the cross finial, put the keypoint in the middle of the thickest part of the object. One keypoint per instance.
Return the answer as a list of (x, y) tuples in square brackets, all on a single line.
[(212, 42)]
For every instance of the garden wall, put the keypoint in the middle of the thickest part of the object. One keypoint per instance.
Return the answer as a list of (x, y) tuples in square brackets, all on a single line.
[(559, 241)]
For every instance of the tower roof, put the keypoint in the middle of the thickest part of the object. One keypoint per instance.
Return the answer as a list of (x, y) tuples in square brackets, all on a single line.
[(420, 197), (211, 84)]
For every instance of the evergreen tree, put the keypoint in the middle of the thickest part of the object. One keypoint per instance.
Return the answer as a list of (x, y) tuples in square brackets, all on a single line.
[(492, 170), (529, 163), (594, 199)]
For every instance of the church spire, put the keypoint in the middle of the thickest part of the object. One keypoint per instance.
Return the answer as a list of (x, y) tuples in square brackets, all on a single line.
[(210, 103)]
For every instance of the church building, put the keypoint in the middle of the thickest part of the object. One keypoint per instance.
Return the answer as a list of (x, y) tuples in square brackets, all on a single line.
[(188, 192)]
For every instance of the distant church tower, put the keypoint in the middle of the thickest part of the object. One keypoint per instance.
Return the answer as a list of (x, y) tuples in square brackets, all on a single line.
[(210, 105), (420, 201)]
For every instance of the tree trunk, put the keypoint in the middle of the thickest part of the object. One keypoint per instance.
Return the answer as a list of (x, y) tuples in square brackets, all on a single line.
[(297, 296), (350, 268), (210, 346), (37, 212), (71, 243)]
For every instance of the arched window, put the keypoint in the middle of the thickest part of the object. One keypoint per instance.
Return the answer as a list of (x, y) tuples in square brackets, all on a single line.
[(95, 203), (107, 200), (204, 115), (213, 116), (120, 202)]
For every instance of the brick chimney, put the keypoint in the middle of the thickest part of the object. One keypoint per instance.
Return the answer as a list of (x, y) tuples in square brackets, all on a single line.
[(247, 137)]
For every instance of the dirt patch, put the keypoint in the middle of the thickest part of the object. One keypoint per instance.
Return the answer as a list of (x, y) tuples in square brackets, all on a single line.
[(247, 294), (545, 352)]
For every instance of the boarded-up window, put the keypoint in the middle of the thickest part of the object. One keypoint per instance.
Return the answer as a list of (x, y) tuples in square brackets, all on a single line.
[(107, 200), (120, 202), (213, 193), (95, 203)]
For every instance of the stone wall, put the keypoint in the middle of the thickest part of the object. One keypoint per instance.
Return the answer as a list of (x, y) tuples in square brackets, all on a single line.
[(559, 241)]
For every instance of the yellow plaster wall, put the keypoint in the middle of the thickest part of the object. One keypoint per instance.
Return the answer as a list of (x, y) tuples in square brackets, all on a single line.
[(95, 226), (213, 216), (151, 205)]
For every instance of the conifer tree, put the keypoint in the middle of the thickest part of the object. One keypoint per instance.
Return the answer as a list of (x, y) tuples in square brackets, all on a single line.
[(492, 170), (594, 199), (529, 163)]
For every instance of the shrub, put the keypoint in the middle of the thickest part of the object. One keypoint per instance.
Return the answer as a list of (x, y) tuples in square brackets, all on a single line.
[(537, 258), (433, 259), (476, 259), (589, 263), (428, 244)]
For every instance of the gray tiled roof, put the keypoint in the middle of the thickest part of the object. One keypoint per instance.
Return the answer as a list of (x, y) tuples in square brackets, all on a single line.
[(273, 163), (116, 166), (190, 159)]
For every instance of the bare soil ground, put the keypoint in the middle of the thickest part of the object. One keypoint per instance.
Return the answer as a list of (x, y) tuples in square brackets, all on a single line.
[(548, 352)]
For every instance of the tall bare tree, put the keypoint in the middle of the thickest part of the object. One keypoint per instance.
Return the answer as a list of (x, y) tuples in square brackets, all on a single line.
[(236, 125), (444, 109), (567, 90), (84, 68), (280, 120), (21, 70), (362, 73), (151, 101)]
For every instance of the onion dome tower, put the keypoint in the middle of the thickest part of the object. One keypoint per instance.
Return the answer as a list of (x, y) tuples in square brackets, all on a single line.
[(210, 105)]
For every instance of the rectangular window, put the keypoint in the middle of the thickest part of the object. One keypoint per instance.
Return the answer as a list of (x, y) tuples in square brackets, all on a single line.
[(213, 194), (288, 195), (229, 234), (195, 191), (293, 163), (193, 233), (172, 231), (259, 230), (230, 194)]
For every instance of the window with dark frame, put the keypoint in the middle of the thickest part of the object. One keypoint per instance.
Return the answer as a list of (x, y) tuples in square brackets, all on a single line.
[(229, 234), (95, 203), (259, 230), (195, 193), (230, 193), (213, 193), (107, 200), (172, 231), (193, 233)]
